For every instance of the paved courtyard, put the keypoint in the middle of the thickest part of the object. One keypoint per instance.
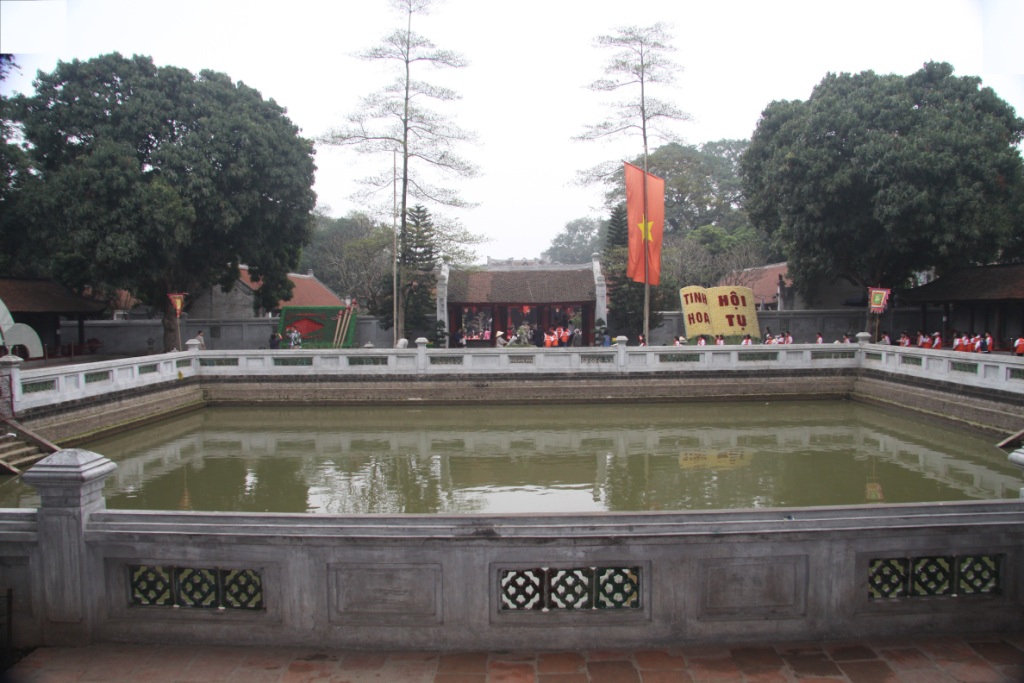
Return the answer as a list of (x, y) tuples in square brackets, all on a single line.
[(991, 658)]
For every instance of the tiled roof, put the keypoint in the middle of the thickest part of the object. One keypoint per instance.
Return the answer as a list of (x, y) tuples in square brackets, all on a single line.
[(31, 295), (763, 280), (550, 284), (982, 283), (307, 291)]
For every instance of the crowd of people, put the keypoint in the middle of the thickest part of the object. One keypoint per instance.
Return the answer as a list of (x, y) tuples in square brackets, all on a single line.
[(967, 341)]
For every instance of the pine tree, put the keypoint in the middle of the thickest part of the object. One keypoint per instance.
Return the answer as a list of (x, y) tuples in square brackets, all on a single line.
[(626, 297), (417, 264)]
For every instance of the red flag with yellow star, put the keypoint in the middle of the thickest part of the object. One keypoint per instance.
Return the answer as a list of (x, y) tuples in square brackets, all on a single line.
[(645, 228)]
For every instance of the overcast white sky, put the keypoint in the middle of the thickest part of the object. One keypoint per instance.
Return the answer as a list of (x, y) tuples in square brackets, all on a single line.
[(524, 93)]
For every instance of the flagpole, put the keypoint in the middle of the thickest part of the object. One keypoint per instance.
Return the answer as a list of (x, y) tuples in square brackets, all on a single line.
[(646, 234)]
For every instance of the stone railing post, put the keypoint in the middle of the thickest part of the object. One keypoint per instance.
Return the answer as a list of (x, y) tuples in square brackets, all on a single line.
[(620, 351), (1017, 458), (70, 486), (10, 385), (863, 337), (421, 355)]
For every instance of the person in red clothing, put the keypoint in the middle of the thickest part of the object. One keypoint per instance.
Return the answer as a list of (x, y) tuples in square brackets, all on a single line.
[(1018, 345), (937, 341)]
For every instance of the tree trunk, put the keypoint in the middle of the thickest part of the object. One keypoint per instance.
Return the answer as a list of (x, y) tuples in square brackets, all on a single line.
[(170, 321)]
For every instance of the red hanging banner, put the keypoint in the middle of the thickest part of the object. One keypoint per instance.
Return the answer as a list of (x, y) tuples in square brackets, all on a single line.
[(878, 299), (178, 300)]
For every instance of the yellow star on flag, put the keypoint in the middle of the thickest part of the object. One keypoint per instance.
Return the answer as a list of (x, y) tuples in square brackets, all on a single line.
[(645, 229)]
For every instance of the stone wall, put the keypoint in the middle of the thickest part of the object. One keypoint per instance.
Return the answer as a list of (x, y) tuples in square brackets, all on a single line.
[(482, 582)]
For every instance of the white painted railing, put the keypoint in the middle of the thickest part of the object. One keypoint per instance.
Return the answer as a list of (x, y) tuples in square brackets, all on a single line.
[(47, 386)]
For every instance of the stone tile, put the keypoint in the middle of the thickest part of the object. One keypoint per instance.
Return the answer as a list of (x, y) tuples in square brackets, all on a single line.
[(362, 661), (713, 669), (665, 676), (612, 672), (850, 652), (768, 676), (704, 651), (608, 655), (971, 670), (511, 672), (463, 663), (160, 673), (251, 676), (560, 662), (268, 659), (514, 656), (1013, 673), (925, 676), (658, 659), (946, 648), (869, 671), (998, 652), (753, 659), (460, 678), (799, 648), (22, 674), (902, 658), (811, 664), (563, 678)]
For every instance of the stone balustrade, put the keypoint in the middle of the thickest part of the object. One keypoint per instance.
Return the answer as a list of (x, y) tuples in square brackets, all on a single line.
[(84, 574), (51, 386)]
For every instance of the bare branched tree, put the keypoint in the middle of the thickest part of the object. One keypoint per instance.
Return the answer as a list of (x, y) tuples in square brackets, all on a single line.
[(640, 61), (397, 124)]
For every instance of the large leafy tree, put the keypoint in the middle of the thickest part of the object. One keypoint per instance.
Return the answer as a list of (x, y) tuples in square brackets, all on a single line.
[(352, 256), (702, 185), (396, 122), (22, 253), (874, 177), (156, 180), (577, 242)]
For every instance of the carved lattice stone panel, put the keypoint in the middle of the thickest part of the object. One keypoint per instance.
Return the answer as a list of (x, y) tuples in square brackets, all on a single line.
[(203, 588), (197, 587), (151, 586), (618, 587), (931, 576), (522, 589), (570, 588), (977, 574)]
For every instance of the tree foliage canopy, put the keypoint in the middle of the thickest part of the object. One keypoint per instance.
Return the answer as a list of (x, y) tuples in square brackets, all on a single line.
[(156, 180), (352, 256), (874, 178), (577, 242), (626, 297)]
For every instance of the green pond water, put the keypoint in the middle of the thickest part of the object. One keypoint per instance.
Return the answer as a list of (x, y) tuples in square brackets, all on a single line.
[(544, 458)]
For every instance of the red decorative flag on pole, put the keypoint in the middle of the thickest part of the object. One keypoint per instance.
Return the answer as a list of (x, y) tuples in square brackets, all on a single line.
[(878, 299), (645, 227), (178, 301)]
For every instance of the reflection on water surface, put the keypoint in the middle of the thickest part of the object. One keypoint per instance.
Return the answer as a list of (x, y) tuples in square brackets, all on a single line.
[(545, 458)]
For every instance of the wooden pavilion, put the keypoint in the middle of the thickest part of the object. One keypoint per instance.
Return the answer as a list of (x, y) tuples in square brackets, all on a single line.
[(482, 300)]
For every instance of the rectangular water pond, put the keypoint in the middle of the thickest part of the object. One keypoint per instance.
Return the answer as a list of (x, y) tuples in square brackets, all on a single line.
[(569, 458)]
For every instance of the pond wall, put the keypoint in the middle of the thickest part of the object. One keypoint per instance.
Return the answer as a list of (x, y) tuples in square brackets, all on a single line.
[(71, 404), (81, 573)]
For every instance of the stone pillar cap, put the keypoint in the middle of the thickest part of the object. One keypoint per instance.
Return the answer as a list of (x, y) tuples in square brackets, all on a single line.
[(69, 466)]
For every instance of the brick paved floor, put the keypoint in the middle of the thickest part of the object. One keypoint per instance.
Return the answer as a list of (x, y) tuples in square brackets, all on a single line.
[(993, 658)]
